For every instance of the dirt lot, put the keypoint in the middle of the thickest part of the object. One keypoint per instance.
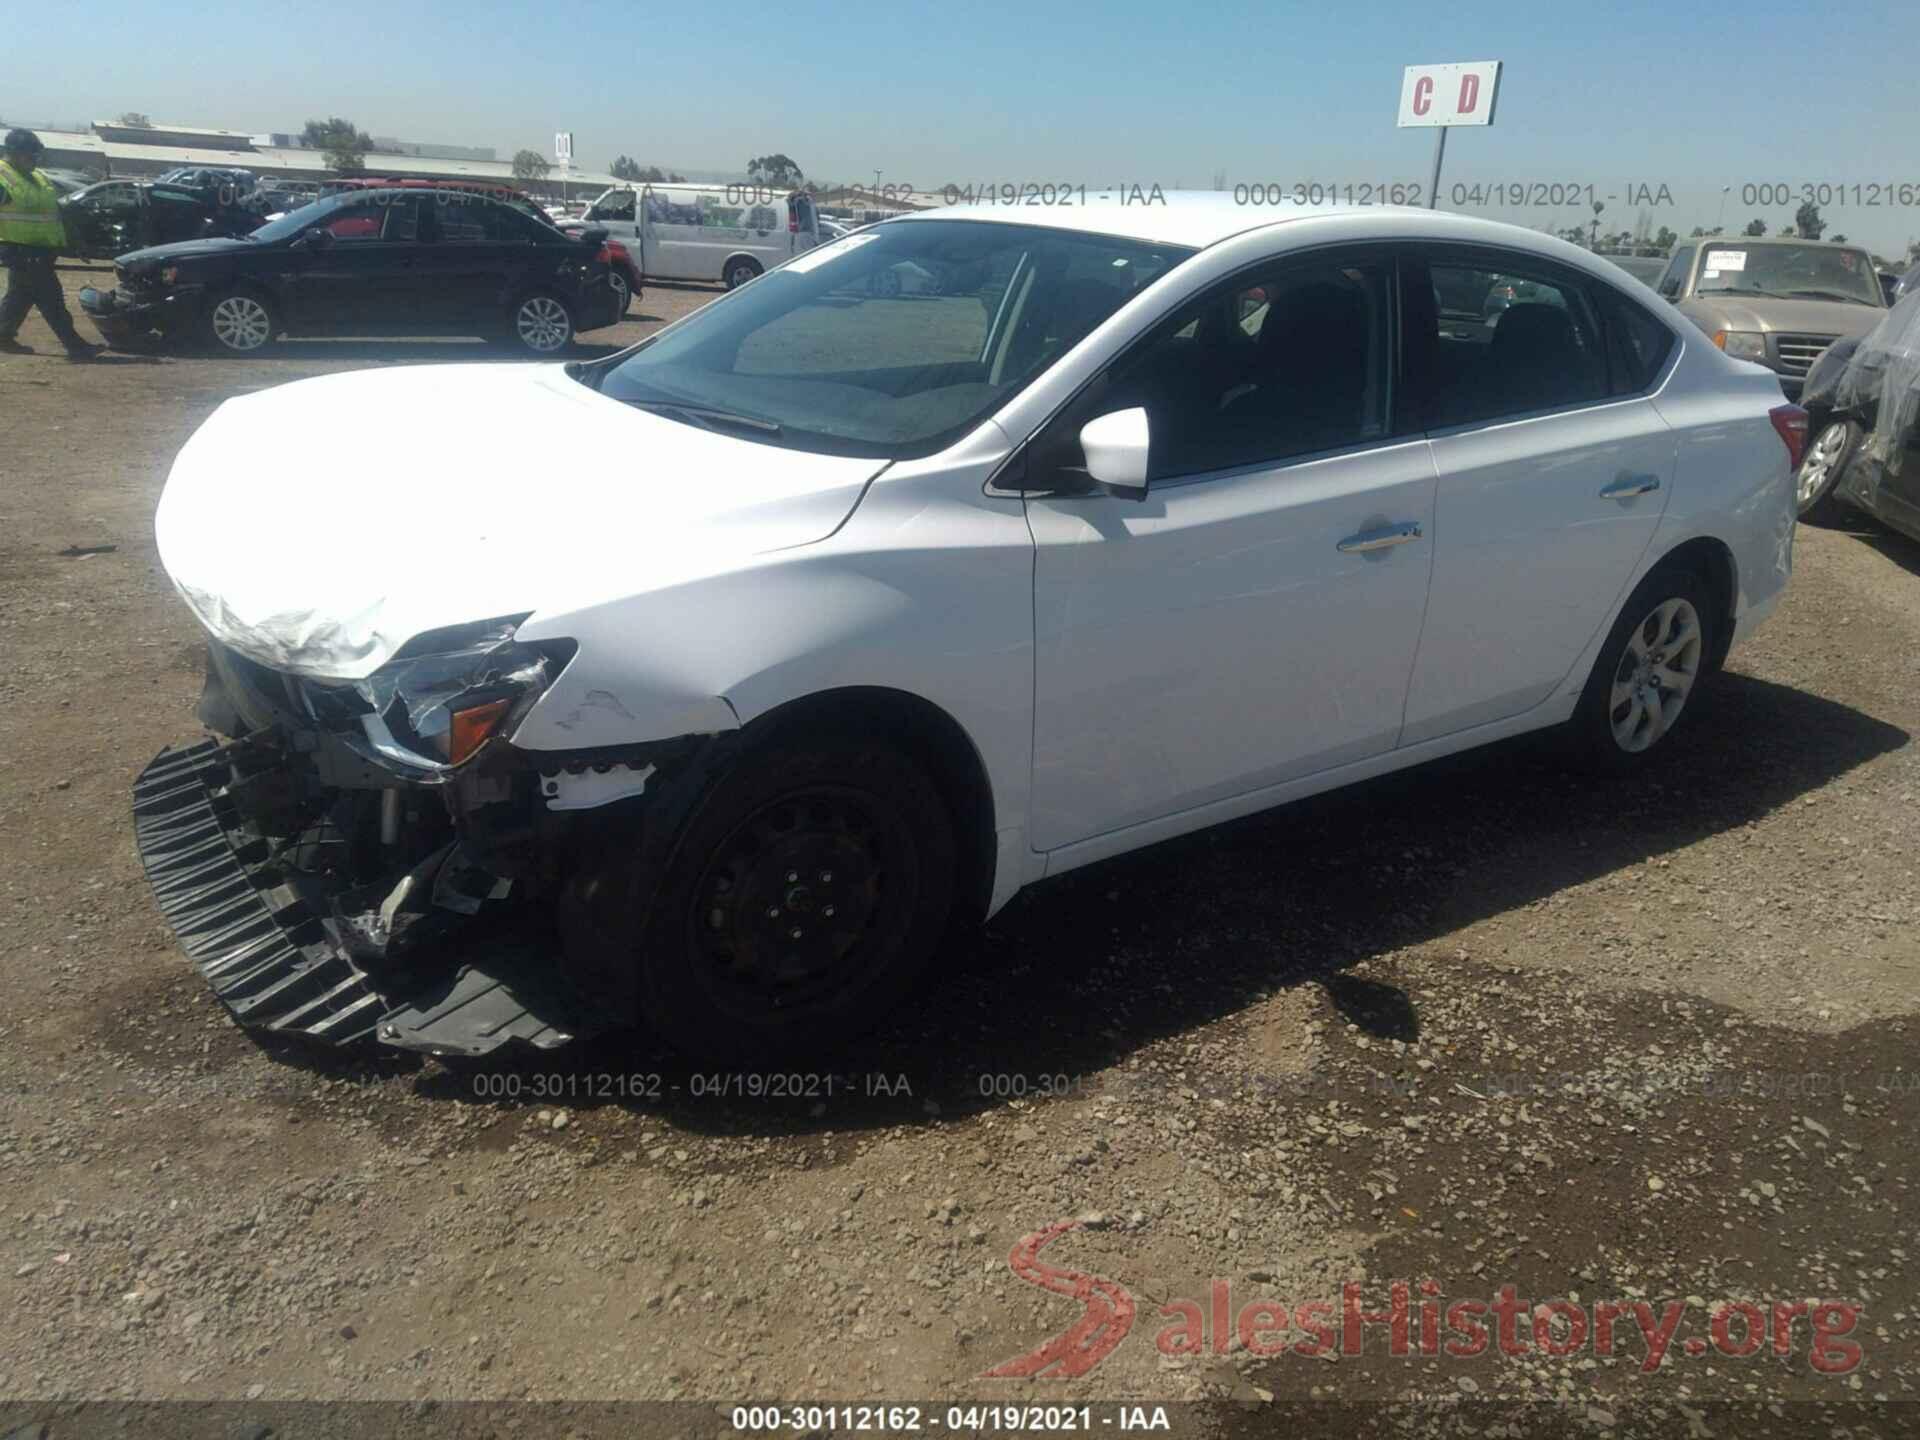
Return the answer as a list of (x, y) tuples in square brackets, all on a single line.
[(1485, 1024)]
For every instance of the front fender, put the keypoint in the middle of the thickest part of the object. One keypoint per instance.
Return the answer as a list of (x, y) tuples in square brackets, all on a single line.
[(927, 589)]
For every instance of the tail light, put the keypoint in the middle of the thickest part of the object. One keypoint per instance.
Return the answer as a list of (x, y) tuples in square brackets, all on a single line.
[(605, 257), (793, 225), (1790, 421)]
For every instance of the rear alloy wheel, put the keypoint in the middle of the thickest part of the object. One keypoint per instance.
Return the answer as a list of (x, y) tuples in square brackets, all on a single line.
[(739, 273), (1654, 675), (543, 325), (1652, 662), (803, 900), (1825, 462), (239, 323), (623, 290)]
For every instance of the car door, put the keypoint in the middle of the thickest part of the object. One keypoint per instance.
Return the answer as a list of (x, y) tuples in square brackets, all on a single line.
[(474, 244), (803, 223), (1554, 470), (616, 211), (1254, 619), (364, 278), (1897, 483)]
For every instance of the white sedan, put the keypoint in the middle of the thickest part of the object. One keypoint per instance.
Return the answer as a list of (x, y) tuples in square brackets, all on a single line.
[(868, 610)]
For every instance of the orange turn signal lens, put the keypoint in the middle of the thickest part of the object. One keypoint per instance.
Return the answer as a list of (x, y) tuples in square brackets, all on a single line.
[(470, 729), (1720, 338)]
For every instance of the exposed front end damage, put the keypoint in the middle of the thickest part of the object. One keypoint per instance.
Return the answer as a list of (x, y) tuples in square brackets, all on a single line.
[(376, 860)]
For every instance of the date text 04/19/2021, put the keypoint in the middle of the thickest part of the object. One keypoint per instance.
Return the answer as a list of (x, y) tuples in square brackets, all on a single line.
[(964, 1418)]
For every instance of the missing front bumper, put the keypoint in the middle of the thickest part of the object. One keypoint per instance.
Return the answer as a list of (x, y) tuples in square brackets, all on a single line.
[(273, 963)]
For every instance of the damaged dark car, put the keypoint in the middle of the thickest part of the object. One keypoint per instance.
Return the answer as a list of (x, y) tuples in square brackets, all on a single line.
[(116, 216), (1863, 408)]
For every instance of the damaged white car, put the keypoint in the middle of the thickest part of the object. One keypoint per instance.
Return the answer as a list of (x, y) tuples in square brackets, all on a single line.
[(870, 608)]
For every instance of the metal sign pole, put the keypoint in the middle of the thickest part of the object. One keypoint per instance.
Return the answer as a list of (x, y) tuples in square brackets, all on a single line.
[(1439, 154)]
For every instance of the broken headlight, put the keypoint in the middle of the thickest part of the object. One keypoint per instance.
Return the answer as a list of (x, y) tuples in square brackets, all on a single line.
[(445, 693)]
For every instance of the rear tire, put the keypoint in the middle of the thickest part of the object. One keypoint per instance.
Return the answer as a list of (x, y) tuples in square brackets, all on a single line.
[(800, 903), (739, 272), (1648, 672), (1821, 468), (541, 325)]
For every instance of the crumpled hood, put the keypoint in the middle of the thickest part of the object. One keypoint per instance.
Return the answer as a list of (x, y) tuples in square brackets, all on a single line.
[(318, 526), (177, 250)]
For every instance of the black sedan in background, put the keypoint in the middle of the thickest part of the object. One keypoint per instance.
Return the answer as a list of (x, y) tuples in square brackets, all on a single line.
[(367, 263)]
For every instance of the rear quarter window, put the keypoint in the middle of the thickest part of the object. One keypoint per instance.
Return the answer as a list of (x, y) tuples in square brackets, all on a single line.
[(1638, 344)]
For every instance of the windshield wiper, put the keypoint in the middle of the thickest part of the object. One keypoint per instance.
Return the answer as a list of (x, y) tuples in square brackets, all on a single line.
[(709, 416), (1827, 295)]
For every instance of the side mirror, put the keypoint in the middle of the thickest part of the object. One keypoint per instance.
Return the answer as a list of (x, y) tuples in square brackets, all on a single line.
[(594, 234), (318, 238), (1116, 451)]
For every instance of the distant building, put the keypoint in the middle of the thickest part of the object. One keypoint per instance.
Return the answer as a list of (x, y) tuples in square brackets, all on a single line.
[(111, 149), (385, 145)]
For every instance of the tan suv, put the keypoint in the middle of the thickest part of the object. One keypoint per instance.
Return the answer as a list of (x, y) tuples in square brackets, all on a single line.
[(1778, 303)]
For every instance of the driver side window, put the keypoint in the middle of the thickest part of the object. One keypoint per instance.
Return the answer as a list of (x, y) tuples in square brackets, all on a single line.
[(1272, 366), (1675, 275), (617, 206), (392, 220)]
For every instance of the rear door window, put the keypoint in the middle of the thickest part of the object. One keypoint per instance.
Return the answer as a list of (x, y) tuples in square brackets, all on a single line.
[(474, 220), (1494, 334)]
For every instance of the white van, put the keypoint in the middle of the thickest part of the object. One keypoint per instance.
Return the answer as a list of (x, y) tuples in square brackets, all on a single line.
[(729, 232)]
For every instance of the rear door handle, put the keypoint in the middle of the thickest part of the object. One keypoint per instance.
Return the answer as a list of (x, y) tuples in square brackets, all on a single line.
[(1625, 486), (1367, 541)]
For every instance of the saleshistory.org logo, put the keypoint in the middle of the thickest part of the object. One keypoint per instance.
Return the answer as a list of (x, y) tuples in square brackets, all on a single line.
[(1428, 1326)]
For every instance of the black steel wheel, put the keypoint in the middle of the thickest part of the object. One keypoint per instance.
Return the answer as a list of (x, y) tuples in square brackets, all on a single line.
[(803, 899)]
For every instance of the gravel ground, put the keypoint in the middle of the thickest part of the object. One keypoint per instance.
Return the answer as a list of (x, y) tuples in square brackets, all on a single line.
[(1480, 1025)]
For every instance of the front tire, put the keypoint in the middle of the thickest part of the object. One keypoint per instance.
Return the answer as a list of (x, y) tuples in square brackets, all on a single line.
[(1648, 671), (1821, 468), (239, 323), (801, 902), (739, 272)]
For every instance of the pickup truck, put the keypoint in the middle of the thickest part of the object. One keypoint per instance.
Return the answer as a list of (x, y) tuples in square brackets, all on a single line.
[(1776, 302)]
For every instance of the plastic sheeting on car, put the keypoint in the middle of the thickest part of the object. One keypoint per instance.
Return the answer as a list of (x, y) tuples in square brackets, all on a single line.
[(1881, 383)]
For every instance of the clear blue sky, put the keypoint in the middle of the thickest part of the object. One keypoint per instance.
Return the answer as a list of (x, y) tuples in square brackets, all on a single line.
[(1695, 97)]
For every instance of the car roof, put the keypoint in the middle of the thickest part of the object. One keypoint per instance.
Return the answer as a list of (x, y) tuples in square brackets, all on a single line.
[(412, 182), (1199, 218), (1710, 240)]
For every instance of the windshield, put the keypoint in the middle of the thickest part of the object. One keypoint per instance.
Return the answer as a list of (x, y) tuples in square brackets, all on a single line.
[(1802, 272), (890, 343), (294, 221)]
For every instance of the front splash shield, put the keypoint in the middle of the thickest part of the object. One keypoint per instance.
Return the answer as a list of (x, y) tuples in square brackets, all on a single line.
[(277, 969)]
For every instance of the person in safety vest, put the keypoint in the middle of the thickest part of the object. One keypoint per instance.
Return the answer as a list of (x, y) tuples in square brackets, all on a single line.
[(31, 236)]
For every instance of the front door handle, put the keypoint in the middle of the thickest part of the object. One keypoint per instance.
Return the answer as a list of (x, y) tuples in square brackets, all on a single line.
[(1625, 486), (1367, 541)]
